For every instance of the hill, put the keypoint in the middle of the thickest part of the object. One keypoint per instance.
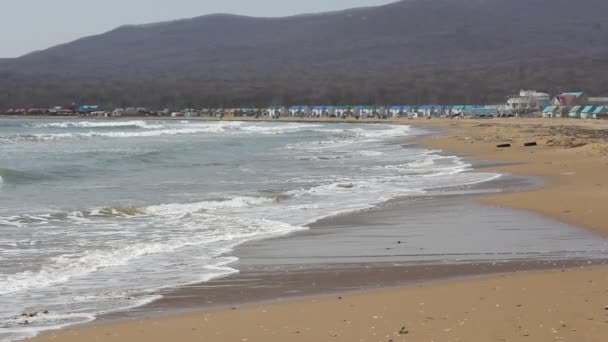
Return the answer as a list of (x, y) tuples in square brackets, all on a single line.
[(411, 51)]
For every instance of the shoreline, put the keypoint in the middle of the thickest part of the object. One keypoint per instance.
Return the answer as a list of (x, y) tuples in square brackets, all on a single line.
[(450, 141), (565, 166), (272, 270)]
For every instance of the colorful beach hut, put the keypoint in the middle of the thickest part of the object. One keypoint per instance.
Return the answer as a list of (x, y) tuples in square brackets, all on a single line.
[(575, 112), (397, 111), (600, 112), (587, 112), (550, 111)]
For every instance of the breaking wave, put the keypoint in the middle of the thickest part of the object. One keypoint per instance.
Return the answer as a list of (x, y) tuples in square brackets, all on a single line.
[(195, 224), (10, 176), (100, 124), (100, 130), (141, 129)]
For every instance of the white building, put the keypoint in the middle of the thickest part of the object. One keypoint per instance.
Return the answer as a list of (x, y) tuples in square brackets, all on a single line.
[(397, 111), (528, 101), (322, 111), (341, 111), (275, 111)]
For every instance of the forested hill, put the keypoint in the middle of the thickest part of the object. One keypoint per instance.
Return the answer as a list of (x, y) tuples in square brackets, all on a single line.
[(412, 51)]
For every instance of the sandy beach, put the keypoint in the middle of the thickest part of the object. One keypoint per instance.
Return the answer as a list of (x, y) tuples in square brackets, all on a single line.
[(569, 304)]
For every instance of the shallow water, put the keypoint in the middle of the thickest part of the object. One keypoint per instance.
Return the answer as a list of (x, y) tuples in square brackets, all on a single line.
[(97, 215)]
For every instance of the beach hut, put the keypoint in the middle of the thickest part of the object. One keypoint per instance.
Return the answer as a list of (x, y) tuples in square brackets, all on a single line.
[(321, 111), (467, 110), (445, 111), (351, 111), (575, 112), (340, 111), (366, 111), (600, 112), (397, 111), (457, 110), (587, 112), (429, 110), (550, 111), (298, 111), (274, 111), (477, 111)]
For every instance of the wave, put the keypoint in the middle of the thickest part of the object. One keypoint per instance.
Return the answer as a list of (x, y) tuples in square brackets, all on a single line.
[(20, 328), (10, 176), (348, 136), (391, 131), (219, 229), (181, 128), (196, 129), (215, 228), (99, 124), (189, 208)]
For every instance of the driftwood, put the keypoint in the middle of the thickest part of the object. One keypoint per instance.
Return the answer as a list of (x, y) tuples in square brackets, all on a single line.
[(528, 144), (503, 145)]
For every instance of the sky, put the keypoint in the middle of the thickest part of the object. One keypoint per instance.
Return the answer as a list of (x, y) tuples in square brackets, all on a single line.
[(30, 25)]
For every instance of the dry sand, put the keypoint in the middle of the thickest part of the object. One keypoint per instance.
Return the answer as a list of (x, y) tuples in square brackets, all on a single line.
[(566, 305)]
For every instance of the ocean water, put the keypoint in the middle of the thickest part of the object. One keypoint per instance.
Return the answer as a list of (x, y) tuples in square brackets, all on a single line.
[(95, 216)]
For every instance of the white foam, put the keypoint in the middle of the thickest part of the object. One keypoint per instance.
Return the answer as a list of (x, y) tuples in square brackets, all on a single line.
[(156, 130), (188, 208), (99, 124), (162, 128), (370, 153), (219, 228), (278, 129), (17, 330), (392, 131)]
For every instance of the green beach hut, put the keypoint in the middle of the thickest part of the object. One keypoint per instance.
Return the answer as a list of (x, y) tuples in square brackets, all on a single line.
[(587, 112), (575, 112), (600, 112)]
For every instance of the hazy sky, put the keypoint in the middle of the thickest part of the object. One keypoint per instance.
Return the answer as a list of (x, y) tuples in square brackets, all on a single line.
[(29, 25)]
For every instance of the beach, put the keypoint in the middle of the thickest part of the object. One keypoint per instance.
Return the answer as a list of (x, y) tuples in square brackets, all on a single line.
[(357, 301)]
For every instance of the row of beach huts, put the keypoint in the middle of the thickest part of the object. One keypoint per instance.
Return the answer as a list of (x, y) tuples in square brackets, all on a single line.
[(528, 103)]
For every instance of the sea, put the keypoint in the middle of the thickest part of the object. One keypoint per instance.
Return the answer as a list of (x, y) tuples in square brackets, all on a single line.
[(97, 215)]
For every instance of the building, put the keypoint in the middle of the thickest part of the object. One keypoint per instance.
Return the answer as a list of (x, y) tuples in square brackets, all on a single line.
[(398, 111), (457, 110), (551, 112), (430, 110), (85, 109), (300, 111), (575, 112), (600, 112), (587, 112), (118, 112), (321, 111), (570, 99), (60, 111), (274, 111), (528, 101), (341, 111), (481, 111)]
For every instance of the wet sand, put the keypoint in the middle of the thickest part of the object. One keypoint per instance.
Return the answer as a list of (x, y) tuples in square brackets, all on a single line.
[(547, 306), (567, 304)]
